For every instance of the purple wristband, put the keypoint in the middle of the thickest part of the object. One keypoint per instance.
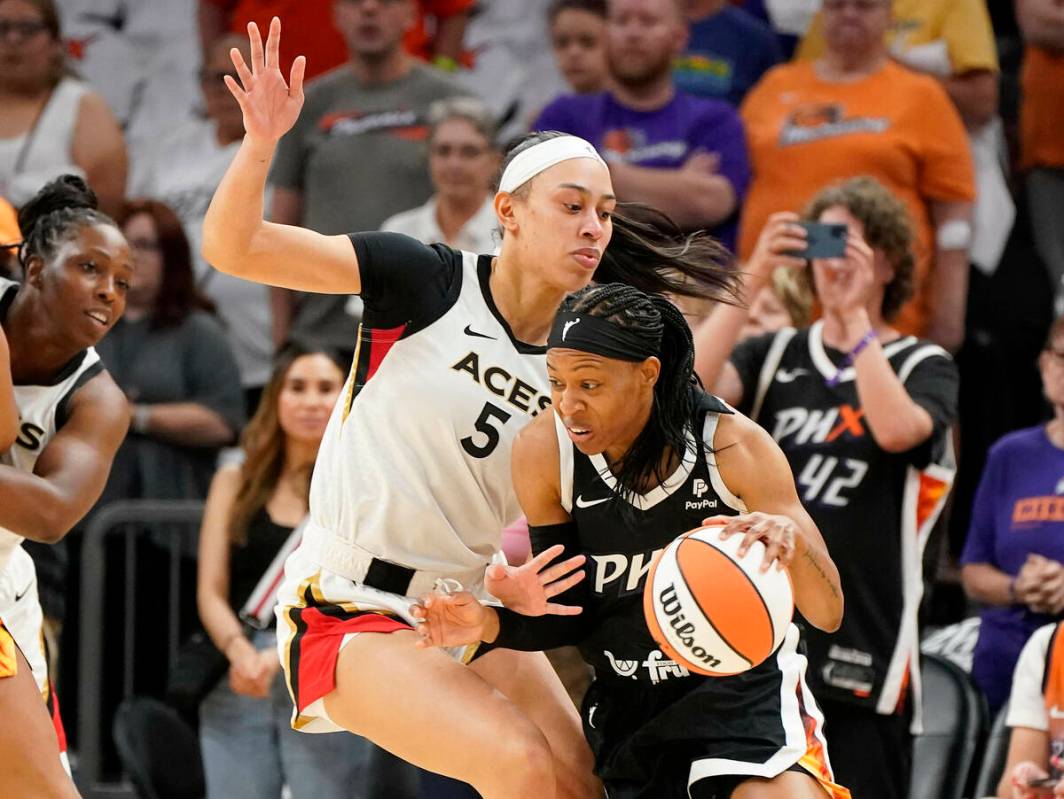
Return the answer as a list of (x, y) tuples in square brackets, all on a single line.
[(847, 362)]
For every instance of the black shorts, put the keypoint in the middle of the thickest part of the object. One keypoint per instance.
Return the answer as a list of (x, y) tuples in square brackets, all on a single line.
[(701, 737)]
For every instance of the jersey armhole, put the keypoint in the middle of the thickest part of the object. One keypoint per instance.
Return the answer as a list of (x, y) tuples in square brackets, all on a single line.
[(769, 367), (565, 464), (709, 433)]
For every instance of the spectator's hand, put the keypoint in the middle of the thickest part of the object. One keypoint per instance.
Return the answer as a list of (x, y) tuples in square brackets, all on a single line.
[(702, 162), (849, 280), (529, 588), (1026, 585), (270, 107), (778, 533), (456, 619), (1048, 590), (1022, 774), (247, 670), (270, 665), (781, 235)]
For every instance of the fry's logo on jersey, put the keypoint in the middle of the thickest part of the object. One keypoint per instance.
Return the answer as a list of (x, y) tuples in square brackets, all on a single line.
[(504, 385), (818, 426), (658, 667)]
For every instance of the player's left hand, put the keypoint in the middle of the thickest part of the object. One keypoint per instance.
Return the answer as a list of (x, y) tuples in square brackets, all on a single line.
[(447, 620), (779, 534), (529, 588)]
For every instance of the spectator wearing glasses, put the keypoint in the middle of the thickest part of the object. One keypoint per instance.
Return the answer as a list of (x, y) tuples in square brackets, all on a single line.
[(1014, 556), (186, 168), (463, 160), (51, 124), (855, 112)]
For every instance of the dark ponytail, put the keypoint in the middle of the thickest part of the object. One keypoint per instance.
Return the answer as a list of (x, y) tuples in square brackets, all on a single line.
[(649, 251), (658, 320), (56, 213)]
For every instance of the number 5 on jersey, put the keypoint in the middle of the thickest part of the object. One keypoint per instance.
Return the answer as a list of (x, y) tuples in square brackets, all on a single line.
[(487, 426)]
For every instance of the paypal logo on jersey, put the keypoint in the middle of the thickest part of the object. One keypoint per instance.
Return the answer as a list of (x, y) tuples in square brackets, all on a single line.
[(698, 488)]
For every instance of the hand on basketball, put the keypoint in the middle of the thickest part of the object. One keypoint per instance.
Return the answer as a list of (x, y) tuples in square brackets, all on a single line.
[(778, 533), (781, 235), (529, 588), (270, 107), (449, 619)]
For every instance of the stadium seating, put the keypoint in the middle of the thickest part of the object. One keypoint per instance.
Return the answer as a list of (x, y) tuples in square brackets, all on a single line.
[(954, 720), (994, 756)]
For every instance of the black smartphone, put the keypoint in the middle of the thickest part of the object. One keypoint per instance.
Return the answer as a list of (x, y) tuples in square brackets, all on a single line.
[(823, 240)]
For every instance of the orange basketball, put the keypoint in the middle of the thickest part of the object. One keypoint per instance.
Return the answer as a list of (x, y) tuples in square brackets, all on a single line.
[(711, 611)]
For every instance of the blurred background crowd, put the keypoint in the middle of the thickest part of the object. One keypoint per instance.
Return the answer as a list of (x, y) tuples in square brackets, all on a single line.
[(718, 112)]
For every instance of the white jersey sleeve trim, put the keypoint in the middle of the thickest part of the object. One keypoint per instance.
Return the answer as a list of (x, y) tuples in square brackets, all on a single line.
[(709, 433), (917, 357), (1027, 707), (565, 463), (769, 367)]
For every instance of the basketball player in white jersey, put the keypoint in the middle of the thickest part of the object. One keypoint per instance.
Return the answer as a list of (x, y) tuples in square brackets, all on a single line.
[(72, 418), (412, 482)]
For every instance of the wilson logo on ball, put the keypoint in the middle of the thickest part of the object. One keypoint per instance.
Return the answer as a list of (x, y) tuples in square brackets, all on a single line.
[(713, 612)]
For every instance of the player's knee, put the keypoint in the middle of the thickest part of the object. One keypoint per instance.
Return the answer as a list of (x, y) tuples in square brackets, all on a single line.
[(525, 766)]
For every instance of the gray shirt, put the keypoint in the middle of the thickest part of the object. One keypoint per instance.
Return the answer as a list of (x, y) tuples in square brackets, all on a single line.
[(358, 155)]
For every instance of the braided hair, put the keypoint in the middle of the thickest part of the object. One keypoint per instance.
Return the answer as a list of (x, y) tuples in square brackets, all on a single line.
[(649, 250), (55, 215), (675, 392)]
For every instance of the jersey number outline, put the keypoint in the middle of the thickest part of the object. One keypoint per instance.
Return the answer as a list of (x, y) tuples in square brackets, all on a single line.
[(491, 432), (817, 472)]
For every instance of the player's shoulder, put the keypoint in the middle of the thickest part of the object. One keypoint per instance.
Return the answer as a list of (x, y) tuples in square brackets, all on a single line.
[(537, 441)]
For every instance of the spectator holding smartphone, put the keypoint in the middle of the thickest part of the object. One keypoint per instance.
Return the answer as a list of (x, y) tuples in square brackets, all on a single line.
[(1034, 768), (862, 413)]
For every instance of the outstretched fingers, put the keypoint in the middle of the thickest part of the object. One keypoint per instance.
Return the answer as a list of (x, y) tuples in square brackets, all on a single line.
[(234, 89), (295, 79), (242, 70), (273, 45), (561, 570), (258, 61), (545, 557)]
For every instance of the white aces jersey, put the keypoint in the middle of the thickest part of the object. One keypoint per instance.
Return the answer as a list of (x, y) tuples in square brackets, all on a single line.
[(42, 411), (414, 467)]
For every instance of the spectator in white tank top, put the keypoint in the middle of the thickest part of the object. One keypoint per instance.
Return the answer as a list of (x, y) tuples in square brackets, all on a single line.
[(463, 159), (52, 123)]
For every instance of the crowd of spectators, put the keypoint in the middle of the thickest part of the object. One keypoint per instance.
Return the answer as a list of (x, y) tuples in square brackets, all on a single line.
[(894, 117)]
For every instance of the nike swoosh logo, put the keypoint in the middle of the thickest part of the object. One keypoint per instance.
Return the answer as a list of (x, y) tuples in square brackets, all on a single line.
[(24, 592), (469, 331), (587, 503), (783, 376)]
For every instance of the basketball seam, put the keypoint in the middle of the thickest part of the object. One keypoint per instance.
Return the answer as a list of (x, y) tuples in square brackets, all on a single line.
[(757, 593), (709, 621)]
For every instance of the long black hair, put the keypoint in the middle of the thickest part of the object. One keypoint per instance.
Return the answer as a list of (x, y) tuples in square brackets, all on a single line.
[(55, 214), (677, 388), (649, 251)]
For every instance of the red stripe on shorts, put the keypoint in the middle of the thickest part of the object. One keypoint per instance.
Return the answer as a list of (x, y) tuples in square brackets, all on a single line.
[(319, 645)]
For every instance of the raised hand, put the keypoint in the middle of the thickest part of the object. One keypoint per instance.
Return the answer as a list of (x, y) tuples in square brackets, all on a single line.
[(778, 533), (529, 588), (779, 239), (270, 107)]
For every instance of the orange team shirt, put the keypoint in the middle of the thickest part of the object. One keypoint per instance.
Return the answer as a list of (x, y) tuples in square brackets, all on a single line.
[(418, 40), (1041, 138), (308, 30), (896, 125)]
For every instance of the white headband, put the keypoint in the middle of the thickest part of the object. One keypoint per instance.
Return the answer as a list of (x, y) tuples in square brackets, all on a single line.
[(529, 163)]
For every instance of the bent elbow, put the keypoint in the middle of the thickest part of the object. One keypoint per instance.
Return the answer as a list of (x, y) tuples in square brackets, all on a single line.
[(831, 619)]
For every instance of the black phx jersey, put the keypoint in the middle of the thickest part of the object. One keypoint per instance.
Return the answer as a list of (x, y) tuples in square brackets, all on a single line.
[(874, 508), (655, 728)]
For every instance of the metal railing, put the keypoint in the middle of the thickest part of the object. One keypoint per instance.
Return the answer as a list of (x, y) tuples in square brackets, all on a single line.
[(175, 522)]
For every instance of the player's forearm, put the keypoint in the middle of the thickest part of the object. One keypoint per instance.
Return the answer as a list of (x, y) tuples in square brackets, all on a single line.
[(691, 201), (235, 215), (817, 587), (8, 410), (34, 508), (508, 629)]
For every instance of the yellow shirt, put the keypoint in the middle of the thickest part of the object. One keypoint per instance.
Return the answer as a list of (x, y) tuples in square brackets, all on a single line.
[(961, 27)]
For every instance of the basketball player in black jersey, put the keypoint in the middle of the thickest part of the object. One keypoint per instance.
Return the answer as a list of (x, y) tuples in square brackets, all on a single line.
[(862, 413), (77, 268), (634, 455)]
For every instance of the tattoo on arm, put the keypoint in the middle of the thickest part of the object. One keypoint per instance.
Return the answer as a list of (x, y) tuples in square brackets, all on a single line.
[(814, 561)]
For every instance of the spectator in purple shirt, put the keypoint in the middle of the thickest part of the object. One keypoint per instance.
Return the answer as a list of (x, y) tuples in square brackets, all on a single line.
[(1014, 557), (682, 154)]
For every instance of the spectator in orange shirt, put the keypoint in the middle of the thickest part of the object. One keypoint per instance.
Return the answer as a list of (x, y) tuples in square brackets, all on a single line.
[(1041, 139), (438, 34), (855, 112), (308, 29)]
